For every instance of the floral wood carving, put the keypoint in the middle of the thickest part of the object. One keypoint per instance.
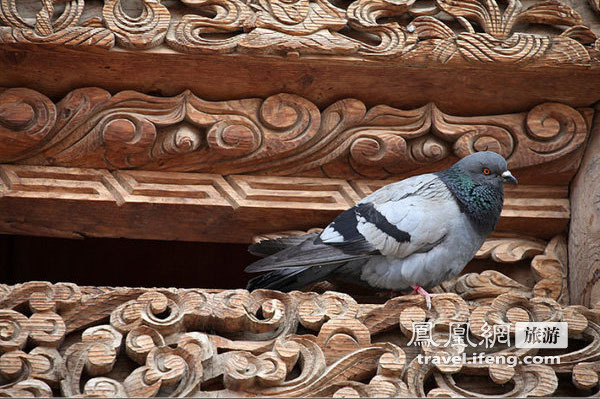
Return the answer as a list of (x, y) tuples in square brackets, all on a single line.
[(479, 31), (123, 342), (281, 135)]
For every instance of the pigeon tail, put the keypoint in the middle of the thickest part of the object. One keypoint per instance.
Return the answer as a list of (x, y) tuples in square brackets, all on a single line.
[(290, 279)]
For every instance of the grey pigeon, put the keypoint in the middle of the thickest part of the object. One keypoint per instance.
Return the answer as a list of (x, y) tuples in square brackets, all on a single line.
[(416, 233)]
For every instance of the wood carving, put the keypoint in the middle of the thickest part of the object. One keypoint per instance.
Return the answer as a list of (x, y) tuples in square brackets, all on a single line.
[(65, 30), (169, 205), (584, 234), (479, 32), (282, 135), (123, 342)]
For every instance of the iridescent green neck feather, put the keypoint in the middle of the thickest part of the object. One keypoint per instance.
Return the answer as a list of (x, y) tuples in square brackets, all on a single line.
[(480, 201)]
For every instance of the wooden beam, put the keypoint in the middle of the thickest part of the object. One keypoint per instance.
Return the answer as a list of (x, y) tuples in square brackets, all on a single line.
[(284, 134), (354, 30), (73, 202)]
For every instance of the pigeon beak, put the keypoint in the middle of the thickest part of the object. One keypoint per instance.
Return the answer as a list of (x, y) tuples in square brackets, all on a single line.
[(509, 178)]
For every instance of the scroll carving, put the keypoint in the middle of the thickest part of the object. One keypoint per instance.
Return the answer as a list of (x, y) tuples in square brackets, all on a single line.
[(281, 135), (178, 342), (478, 32), (65, 29)]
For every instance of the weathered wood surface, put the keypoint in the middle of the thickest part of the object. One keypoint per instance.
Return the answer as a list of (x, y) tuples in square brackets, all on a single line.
[(584, 234), (283, 134), (73, 202), (461, 91), (102, 341), (440, 32)]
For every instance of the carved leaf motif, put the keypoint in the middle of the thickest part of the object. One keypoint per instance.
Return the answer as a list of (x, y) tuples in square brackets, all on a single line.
[(77, 36), (431, 28), (486, 13), (319, 42), (393, 39), (581, 33), (299, 17), (550, 270), (550, 12), (63, 30), (488, 284)]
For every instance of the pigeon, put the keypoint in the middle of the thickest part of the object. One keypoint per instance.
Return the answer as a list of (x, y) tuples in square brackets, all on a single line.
[(415, 233)]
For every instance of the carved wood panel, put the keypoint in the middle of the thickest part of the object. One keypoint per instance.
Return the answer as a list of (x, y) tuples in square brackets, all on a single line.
[(40, 200), (61, 339), (455, 32), (283, 134)]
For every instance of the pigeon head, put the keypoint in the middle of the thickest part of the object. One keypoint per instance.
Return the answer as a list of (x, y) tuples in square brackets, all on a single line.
[(477, 183), (486, 167)]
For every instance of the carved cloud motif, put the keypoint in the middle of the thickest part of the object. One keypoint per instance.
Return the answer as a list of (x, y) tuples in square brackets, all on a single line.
[(282, 135)]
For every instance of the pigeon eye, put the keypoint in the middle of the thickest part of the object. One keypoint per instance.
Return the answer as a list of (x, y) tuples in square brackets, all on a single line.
[(486, 171)]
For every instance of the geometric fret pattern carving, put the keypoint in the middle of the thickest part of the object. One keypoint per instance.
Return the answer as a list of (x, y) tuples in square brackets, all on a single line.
[(284, 134), (363, 28), (141, 342), (37, 200)]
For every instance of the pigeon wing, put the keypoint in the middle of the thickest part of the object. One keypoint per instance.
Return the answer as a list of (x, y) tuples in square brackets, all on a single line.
[(397, 220), (386, 222)]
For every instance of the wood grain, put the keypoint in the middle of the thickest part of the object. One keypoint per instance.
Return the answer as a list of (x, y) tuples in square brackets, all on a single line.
[(143, 342), (283, 134), (72, 202), (584, 233), (317, 27)]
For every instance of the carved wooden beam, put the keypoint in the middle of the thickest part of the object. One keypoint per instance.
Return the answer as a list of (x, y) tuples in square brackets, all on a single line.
[(74, 202), (124, 342), (283, 134), (360, 28)]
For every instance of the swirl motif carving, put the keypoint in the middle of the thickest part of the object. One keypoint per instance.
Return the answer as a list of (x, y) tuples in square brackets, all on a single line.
[(233, 139), (201, 357), (283, 134), (359, 28), (144, 31), (62, 30), (177, 140), (378, 149), (199, 34), (299, 17), (553, 127), (314, 310), (26, 118), (14, 330), (394, 39)]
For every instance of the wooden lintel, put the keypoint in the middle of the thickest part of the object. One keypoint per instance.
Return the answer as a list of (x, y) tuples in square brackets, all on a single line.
[(72, 202)]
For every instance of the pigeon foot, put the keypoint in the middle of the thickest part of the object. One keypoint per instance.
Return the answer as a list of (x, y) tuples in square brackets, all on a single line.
[(418, 290)]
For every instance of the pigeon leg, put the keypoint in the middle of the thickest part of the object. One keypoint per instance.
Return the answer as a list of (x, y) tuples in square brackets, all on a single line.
[(417, 289)]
